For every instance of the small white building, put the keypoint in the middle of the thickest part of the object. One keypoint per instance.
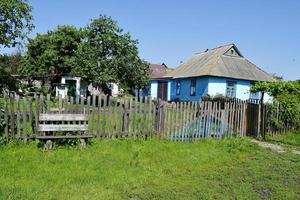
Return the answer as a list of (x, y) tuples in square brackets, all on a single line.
[(73, 86)]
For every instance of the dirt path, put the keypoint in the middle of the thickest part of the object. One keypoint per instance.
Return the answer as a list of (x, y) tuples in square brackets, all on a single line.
[(274, 147)]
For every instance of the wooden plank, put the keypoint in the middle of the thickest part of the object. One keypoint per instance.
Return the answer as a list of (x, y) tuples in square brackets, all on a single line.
[(182, 135), (71, 106), (50, 137), (93, 114), (125, 118), (82, 108), (109, 116), (63, 117), (24, 117), (129, 117), (12, 115), (60, 103), (121, 117), (135, 115), (149, 114), (18, 116), (104, 116), (144, 116), (180, 122), (66, 107), (36, 116), (115, 118), (48, 102), (42, 106), (77, 104), (165, 118), (30, 112), (169, 126), (140, 115), (5, 115), (153, 124), (62, 127), (99, 117), (199, 118)]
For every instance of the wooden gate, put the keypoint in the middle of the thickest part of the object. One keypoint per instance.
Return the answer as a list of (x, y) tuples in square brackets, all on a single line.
[(252, 119)]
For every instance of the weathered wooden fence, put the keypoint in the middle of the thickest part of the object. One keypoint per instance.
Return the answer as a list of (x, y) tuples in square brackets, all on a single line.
[(142, 117)]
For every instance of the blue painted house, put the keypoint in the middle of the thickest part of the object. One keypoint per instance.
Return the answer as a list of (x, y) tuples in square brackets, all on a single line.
[(222, 71), (160, 82)]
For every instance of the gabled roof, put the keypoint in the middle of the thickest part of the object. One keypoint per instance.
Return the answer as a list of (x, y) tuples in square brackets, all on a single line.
[(225, 61), (159, 71)]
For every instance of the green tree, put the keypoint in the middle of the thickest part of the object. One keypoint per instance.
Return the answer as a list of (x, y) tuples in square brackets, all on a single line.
[(106, 54), (51, 54), (287, 94), (15, 21)]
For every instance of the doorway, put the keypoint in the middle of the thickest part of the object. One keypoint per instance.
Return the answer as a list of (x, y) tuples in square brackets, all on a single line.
[(162, 90)]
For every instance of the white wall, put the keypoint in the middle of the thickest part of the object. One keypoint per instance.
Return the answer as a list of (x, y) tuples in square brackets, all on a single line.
[(217, 85), (153, 88)]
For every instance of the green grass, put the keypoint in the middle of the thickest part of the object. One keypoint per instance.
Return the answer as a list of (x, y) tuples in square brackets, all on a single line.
[(155, 169), (287, 139)]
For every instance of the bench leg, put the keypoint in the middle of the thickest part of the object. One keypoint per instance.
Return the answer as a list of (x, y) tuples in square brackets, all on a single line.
[(82, 142), (48, 145)]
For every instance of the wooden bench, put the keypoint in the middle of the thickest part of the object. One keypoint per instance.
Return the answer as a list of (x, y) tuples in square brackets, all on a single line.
[(56, 122)]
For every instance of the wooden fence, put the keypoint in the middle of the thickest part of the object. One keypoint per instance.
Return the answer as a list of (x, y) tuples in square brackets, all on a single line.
[(141, 117)]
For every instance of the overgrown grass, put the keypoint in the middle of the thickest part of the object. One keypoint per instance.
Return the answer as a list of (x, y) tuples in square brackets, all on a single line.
[(154, 169), (288, 139)]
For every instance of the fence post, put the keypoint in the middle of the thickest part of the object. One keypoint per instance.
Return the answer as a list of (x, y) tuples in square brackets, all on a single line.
[(5, 116)]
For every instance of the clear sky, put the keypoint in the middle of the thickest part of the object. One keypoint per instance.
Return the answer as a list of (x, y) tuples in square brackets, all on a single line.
[(267, 32)]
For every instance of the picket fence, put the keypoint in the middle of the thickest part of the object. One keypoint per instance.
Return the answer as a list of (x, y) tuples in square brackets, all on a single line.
[(140, 117)]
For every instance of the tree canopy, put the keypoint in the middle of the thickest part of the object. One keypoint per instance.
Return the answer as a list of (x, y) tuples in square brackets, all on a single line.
[(106, 54), (285, 93), (51, 54), (99, 52), (15, 21)]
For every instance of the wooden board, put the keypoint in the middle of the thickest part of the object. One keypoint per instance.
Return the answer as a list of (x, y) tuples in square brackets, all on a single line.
[(63, 117), (63, 127), (49, 137)]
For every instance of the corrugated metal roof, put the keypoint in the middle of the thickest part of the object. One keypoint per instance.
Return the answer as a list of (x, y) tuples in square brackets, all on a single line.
[(218, 62)]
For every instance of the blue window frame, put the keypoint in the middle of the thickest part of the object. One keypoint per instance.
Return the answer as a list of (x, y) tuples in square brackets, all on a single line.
[(231, 89), (178, 87), (193, 87)]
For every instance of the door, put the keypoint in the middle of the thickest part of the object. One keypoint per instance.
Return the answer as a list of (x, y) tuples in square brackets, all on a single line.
[(162, 91), (71, 84)]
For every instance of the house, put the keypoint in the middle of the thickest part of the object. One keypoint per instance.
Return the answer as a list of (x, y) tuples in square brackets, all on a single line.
[(75, 86), (160, 83), (222, 71), (71, 86)]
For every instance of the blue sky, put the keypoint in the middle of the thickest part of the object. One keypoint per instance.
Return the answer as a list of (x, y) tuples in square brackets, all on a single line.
[(267, 32)]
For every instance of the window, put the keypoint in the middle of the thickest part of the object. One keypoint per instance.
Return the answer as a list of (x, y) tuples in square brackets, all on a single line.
[(230, 89), (178, 86), (193, 87)]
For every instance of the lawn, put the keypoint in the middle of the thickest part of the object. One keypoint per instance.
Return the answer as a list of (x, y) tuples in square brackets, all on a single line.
[(288, 139), (153, 169)]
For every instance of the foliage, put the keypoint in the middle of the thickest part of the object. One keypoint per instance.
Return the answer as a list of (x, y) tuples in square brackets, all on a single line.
[(109, 55), (15, 21), (287, 94), (51, 54), (9, 65), (155, 169)]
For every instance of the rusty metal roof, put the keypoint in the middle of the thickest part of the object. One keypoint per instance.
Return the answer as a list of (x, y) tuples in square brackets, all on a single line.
[(158, 71), (224, 61)]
